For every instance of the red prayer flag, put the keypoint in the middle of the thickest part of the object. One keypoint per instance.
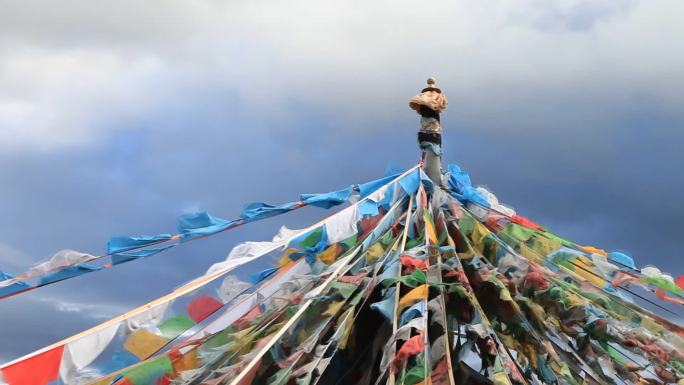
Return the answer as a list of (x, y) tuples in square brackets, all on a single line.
[(522, 221), (622, 277), (37, 370), (203, 307), (413, 263), (423, 198), (243, 321), (440, 374), (660, 293), (680, 281), (368, 223), (411, 347), (353, 279)]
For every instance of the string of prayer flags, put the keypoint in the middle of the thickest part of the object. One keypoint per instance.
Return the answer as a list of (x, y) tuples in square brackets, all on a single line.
[(67, 264), (411, 284)]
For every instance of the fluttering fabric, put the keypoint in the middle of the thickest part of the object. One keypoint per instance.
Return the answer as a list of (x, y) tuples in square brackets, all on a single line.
[(193, 225), (67, 264), (327, 200), (9, 285), (432, 288), (121, 244), (260, 210), (141, 343)]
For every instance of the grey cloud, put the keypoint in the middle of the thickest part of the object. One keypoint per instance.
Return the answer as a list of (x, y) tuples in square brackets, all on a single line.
[(491, 57)]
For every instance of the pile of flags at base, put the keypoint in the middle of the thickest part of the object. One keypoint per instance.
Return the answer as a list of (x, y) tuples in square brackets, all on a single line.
[(414, 283)]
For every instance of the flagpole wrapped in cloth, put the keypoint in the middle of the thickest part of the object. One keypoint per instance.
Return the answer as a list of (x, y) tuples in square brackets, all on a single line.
[(429, 103)]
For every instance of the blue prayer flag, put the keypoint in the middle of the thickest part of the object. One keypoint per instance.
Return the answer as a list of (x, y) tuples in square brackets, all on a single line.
[(327, 200), (260, 210), (414, 311), (370, 187), (119, 258), (13, 288), (458, 177), (119, 244), (368, 207), (622, 259), (69, 272), (194, 225), (260, 276), (386, 306), (410, 182)]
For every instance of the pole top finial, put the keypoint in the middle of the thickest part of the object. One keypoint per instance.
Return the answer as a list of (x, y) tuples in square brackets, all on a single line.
[(430, 97)]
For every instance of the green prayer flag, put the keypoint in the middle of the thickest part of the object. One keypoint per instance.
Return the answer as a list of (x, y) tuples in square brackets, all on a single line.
[(415, 242), (149, 372), (313, 238), (221, 338), (414, 279), (416, 373), (350, 242), (558, 239), (517, 232), (466, 224), (345, 289), (175, 326)]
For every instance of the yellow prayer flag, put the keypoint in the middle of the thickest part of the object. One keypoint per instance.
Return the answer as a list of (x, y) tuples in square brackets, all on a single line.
[(329, 255), (333, 308), (501, 378), (418, 294), (348, 323), (430, 228), (189, 361), (478, 236), (543, 245), (285, 259), (593, 250), (143, 343), (374, 252)]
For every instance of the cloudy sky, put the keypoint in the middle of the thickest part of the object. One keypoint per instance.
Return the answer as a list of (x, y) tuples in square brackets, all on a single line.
[(115, 117)]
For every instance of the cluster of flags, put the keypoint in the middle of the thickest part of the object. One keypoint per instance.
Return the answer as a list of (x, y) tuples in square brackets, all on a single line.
[(414, 282), (66, 264)]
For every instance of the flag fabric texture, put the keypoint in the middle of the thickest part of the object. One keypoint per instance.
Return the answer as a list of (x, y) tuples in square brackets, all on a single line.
[(412, 283)]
